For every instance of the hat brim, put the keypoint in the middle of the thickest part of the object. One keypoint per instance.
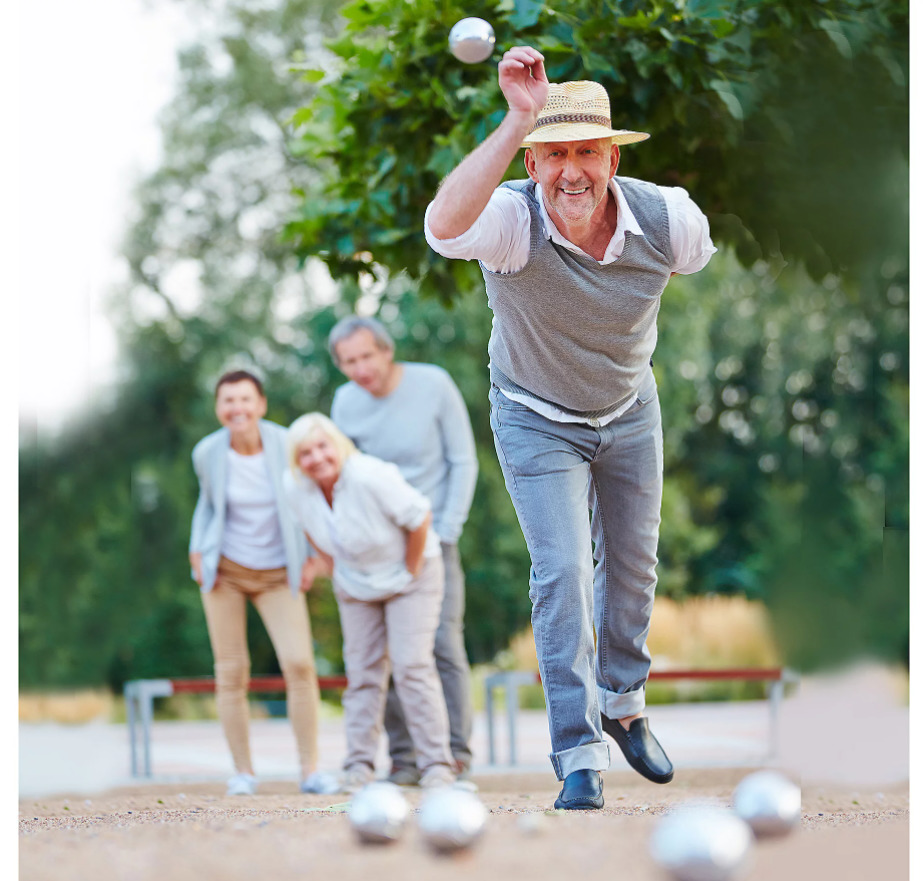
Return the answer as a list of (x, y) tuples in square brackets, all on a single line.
[(582, 131)]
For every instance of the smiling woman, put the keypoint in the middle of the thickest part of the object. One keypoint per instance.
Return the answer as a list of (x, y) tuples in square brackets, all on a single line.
[(246, 547), (371, 531)]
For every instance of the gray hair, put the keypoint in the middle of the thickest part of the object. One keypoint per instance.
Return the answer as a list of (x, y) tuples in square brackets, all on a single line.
[(346, 327)]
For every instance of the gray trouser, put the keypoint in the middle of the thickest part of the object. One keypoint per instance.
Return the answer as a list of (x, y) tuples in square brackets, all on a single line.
[(454, 673), (400, 628), (554, 471)]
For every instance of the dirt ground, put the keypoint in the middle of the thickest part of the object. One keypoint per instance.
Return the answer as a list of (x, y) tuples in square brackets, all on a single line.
[(195, 832)]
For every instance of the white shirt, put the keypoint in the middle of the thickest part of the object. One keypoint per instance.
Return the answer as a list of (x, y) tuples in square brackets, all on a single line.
[(499, 238), (252, 532), (365, 529)]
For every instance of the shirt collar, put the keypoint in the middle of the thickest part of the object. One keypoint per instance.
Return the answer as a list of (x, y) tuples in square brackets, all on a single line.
[(626, 222)]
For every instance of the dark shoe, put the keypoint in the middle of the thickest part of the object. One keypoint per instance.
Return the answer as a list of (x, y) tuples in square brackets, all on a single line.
[(583, 791), (404, 775), (640, 748)]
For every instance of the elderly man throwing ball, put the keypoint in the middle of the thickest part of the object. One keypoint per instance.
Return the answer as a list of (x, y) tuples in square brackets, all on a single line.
[(575, 261)]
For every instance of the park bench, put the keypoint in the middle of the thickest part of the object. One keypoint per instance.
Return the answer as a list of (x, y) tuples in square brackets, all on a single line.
[(139, 706), (512, 680), (140, 695)]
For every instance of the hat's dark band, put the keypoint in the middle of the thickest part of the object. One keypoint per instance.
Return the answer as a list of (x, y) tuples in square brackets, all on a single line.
[(558, 118)]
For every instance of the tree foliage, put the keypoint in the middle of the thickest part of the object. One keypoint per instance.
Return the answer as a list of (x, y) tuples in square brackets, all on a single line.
[(783, 383), (786, 120)]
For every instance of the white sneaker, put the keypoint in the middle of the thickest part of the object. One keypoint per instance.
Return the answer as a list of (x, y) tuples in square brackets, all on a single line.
[(435, 776), (242, 784), (320, 782)]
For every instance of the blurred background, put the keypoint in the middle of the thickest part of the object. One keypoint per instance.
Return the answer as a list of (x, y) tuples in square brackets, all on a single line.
[(235, 176)]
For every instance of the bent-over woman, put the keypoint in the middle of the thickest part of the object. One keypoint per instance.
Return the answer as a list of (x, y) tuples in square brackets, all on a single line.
[(244, 547), (371, 530)]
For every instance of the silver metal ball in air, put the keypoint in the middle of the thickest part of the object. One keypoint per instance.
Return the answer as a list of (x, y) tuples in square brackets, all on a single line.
[(378, 812), (702, 843), (451, 818), (769, 802), (472, 40)]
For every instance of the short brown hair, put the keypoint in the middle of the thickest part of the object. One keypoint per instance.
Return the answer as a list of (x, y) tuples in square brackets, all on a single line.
[(239, 376)]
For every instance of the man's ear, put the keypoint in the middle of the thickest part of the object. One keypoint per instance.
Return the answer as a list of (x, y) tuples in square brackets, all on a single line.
[(529, 160), (614, 160)]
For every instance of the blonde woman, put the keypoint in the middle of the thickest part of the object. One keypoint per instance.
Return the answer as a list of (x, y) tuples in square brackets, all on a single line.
[(245, 547), (371, 531)]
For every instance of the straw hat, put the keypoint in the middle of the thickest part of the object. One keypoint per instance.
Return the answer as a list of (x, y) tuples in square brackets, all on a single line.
[(577, 111)]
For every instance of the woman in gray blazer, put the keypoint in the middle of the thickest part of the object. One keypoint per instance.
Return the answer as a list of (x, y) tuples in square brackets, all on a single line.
[(245, 546)]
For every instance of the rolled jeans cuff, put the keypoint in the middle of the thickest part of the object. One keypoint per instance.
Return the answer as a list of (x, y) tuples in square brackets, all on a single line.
[(593, 756), (618, 706)]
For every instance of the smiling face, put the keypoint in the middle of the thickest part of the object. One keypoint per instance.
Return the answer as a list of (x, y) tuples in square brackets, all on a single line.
[(239, 407), (318, 459), (365, 362), (574, 177)]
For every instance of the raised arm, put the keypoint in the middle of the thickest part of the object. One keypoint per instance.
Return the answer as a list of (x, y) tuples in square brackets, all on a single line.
[(467, 190)]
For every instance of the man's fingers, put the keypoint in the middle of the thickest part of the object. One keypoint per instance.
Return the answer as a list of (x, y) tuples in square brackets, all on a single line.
[(522, 57)]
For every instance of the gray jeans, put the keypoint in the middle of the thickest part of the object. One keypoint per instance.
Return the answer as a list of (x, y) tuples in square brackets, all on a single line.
[(399, 629), (454, 673), (554, 472)]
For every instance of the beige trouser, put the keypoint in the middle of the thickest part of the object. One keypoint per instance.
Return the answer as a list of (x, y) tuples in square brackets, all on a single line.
[(400, 628), (286, 620)]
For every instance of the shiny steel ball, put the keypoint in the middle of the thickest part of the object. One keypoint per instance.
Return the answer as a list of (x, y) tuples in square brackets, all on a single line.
[(472, 40), (378, 812), (451, 818), (769, 802), (702, 844)]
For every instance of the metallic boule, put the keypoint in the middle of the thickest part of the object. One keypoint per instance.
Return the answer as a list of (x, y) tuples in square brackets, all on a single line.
[(472, 40), (769, 802), (378, 812), (702, 844), (451, 818)]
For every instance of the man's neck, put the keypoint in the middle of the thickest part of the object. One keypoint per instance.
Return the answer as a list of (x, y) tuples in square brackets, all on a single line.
[(593, 235), (392, 381)]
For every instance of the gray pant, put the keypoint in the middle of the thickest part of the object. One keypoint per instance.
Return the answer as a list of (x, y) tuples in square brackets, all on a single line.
[(454, 673), (554, 471), (400, 628)]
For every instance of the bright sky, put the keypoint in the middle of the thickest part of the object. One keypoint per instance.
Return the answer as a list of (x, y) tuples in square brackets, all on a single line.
[(92, 78)]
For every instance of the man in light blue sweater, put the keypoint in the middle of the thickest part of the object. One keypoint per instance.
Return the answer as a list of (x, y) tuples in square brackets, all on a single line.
[(414, 416), (575, 261)]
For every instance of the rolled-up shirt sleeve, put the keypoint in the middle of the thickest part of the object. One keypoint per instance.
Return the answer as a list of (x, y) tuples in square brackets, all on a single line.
[(689, 233), (401, 503), (499, 238)]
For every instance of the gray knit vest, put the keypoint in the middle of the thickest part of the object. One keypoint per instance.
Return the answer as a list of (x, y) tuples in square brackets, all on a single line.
[(574, 333)]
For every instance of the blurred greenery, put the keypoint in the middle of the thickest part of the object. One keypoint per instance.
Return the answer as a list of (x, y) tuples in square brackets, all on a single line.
[(783, 367)]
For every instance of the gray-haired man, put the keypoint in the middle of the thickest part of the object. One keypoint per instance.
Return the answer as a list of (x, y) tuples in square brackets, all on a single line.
[(413, 415), (575, 260)]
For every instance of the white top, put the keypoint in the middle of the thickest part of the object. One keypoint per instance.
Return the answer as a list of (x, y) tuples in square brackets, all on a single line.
[(499, 238), (365, 530), (252, 532), (422, 426)]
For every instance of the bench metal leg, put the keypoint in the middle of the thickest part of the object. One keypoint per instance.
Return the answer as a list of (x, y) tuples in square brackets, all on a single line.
[(139, 707), (131, 714)]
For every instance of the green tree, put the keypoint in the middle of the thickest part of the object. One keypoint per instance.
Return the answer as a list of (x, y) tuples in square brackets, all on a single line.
[(105, 592), (786, 473)]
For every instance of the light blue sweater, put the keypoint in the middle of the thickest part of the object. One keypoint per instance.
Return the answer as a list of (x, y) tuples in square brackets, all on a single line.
[(210, 461), (424, 429)]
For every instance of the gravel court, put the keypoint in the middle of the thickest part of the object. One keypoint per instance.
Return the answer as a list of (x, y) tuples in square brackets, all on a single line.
[(181, 831), (181, 825)]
